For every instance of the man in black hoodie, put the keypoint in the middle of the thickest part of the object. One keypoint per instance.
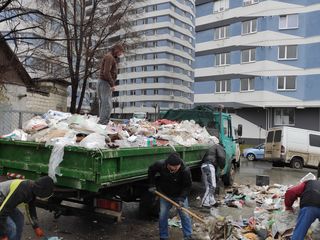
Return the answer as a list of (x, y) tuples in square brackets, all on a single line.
[(15, 192), (175, 182)]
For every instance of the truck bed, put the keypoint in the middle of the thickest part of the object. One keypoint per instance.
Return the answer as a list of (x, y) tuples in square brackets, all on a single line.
[(86, 169)]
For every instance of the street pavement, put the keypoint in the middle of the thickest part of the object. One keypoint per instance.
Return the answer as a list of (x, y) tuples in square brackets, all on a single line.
[(133, 228)]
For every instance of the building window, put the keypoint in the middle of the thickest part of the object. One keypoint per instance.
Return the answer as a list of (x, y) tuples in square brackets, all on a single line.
[(222, 59), (132, 104), (223, 86), (144, 80), (143, 92), (133, 81), (249, 2), (155, 92), (156, 80), (248, 55), (133, 92), (287, 83), (246, 84), (249, 26), (288, 21), (221, 5), (288, 52), (284, 116), (221, 33)]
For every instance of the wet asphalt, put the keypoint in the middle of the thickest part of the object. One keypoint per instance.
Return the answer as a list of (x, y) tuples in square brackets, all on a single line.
[(133, 228)]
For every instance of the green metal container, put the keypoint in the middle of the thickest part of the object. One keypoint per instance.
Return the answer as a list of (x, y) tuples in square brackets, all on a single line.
[(90, 170)]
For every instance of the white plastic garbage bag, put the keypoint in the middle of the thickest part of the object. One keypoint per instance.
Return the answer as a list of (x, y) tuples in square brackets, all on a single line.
[(34, 124), (309, 176), (17, 134), (93, 140), (56, 156)]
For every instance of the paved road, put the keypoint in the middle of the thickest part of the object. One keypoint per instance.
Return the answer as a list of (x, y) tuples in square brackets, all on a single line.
[(76, 228)]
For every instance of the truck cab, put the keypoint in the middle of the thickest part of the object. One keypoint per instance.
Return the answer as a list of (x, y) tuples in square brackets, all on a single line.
[(218, 124)]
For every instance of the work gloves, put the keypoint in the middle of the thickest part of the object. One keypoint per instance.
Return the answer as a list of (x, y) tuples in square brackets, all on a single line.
[(152, 189), (39, 232)]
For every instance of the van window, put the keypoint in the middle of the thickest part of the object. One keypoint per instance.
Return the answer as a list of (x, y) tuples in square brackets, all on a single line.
[(314, 140), (270, 137), (277, 136)]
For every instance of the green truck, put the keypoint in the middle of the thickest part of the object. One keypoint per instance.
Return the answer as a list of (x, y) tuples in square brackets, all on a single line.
[(97, 181)]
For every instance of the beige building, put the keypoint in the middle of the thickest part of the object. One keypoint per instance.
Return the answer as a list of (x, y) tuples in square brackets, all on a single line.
[(20, 96)]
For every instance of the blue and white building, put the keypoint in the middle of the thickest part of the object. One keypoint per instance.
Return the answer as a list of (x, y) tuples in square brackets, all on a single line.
[(158, 74), (260, 59)]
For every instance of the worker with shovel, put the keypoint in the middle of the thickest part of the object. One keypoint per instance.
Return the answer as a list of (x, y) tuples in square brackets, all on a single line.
[(175, 182), (15, 192)]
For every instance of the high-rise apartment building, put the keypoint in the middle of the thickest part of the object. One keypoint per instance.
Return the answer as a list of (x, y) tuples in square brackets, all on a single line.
[(259, 59), (157, 74)]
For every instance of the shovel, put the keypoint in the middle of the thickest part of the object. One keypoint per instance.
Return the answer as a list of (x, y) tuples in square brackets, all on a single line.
[(179, 207)]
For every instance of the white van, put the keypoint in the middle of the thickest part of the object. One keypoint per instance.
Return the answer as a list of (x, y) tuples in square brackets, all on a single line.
[(296, 146)]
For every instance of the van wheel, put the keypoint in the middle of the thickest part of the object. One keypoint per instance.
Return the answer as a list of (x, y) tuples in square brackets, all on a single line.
[(296, 163), (251, 157)]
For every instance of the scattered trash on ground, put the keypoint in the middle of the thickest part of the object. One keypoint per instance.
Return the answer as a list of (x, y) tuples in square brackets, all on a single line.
[(269, 219)]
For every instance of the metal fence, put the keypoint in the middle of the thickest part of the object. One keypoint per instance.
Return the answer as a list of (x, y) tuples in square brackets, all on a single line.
[(11, 119)]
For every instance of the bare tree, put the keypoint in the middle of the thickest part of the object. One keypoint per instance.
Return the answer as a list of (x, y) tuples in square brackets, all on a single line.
[(88, 27)]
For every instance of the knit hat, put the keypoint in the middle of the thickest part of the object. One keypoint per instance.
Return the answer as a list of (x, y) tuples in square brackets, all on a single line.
[(43, 187), (174, 159)]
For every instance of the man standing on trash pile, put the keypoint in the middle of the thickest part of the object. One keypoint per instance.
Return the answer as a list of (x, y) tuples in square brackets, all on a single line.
[(106, 84), (15, 192), (309, 193), (214, 157), (175, 182)]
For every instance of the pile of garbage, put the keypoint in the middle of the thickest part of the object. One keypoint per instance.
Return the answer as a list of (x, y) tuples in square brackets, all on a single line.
[(268, 218), (84, 131)]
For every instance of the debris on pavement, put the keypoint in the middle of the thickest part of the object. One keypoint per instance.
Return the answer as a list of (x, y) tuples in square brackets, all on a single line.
[(268, 220)]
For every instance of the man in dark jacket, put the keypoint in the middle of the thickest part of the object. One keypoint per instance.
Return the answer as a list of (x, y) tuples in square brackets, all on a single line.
[(215, 157), (106, 84), (309, 193), (15, 192), (175, 182)]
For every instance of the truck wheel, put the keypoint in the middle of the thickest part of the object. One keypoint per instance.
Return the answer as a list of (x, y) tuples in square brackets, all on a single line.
[(251, 157), (296, 163), (228, 178), (148, 206)]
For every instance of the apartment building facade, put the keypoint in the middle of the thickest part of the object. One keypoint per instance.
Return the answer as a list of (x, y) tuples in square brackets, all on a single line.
[(157, 73), (258, 59)]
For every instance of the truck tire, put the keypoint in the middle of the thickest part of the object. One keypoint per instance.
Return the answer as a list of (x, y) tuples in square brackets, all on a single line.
[(296, 163), (148, 206), (228, 178)]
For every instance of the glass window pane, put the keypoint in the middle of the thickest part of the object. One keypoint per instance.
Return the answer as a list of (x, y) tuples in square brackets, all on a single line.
[(282, 52), (251, 84), (218, 86), (280, 82), (245, 27), (223, 59), (228, 85), (244, 84), (245, 56), (283, 22), (228, 58), (223, 87), (293, 21), (291, 82), (218, 59), (253, 55), (254, 25), (292, 51)]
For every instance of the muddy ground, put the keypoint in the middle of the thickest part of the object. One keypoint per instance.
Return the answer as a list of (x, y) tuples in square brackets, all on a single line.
[(133, 228)]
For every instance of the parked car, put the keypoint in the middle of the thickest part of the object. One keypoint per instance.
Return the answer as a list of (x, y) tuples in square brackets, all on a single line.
[(254, 153)]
